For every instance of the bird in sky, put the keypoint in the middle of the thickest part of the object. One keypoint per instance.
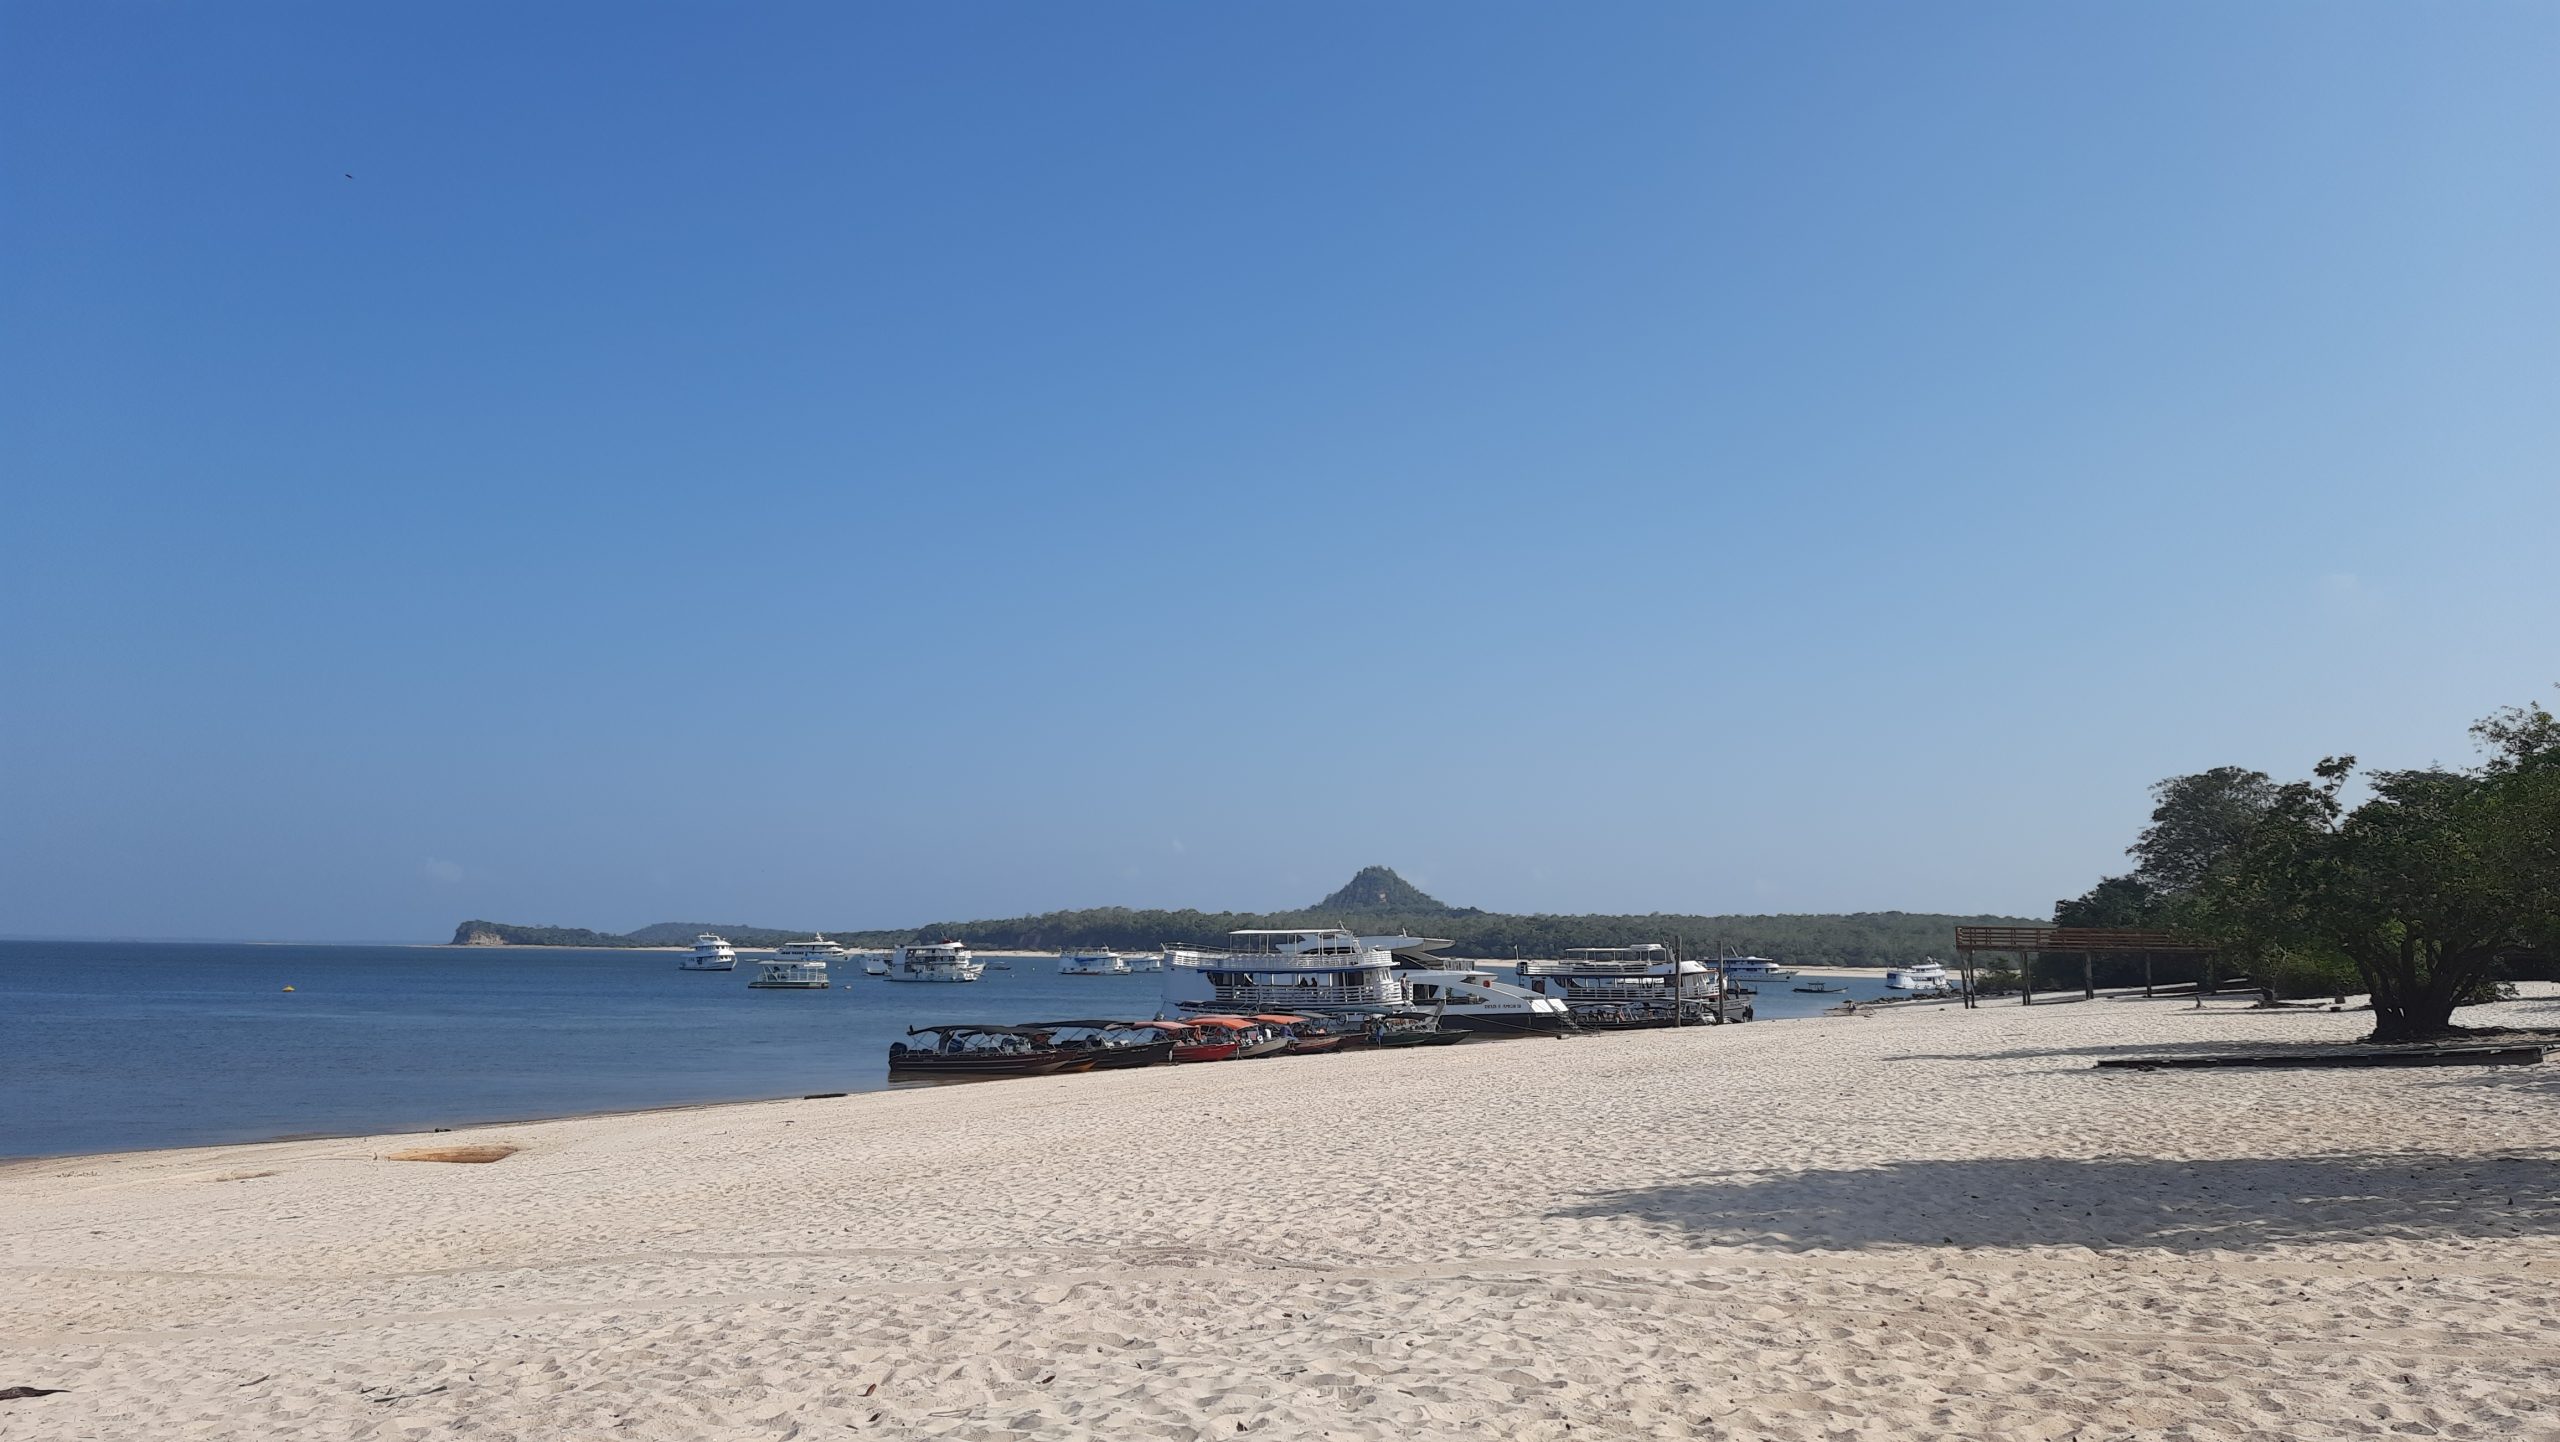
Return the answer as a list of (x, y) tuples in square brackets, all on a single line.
[(350, 177)]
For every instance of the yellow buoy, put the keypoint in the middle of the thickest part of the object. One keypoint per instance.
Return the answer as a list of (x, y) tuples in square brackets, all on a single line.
[(288, 988)]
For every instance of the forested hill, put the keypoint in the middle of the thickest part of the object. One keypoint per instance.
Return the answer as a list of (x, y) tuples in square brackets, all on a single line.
[(1866, 938), (1377, 889)]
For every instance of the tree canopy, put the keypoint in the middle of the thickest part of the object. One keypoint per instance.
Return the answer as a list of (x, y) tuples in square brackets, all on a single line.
[(2419, 889)]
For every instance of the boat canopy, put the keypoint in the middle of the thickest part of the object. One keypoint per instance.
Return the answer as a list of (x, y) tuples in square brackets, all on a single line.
[(1231, 1023), (977, 1029), (1105, 1025), (1282, 1020)]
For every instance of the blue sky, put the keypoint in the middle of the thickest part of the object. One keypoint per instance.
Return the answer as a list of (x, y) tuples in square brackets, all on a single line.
[(867, 464)]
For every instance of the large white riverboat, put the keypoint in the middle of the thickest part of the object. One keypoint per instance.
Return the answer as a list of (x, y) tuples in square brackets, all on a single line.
[(710, 953), (934, 961), (1631, 986), (816, 948), (1926, 977), (1327, 971)]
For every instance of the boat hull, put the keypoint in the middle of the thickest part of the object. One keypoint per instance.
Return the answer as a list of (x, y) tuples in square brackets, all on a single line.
[(1205, 1051), (1493, 1024), (938, 1064), (1120, 1058), (1395, 1039)]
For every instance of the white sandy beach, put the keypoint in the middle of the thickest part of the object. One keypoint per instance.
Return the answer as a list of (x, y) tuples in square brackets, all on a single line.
[(1932, 1223)]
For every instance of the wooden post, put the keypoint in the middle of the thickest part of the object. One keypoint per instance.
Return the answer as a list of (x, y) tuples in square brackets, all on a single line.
[(1679, 987), (2146, 973), (2088, 976), (2026, 978)]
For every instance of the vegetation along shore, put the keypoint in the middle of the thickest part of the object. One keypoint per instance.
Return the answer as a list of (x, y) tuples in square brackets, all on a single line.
[(1376, 899)]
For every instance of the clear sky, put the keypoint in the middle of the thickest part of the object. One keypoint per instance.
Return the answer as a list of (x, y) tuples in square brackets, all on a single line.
[(864, 464)]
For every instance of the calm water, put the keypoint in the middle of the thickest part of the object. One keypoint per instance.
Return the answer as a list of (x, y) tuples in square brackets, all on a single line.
[(108, 1046)]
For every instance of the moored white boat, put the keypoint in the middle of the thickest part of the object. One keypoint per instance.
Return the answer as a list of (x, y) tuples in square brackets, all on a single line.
[(1631, 986), (778, 974), (1104, 962), (816, 948), (710, 953), (1753, 968), (947, 961), (1925, 977), (1468, 998)]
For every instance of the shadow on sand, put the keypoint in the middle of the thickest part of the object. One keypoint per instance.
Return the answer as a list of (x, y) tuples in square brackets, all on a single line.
[(2157, 1048), (2236, 1205)]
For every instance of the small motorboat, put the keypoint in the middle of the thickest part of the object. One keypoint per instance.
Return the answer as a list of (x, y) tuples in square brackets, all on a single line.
[(1394, 1031), (985, 1051), (1307, 1036), (1118, 1045), (1251, 1037), (1820, 988)]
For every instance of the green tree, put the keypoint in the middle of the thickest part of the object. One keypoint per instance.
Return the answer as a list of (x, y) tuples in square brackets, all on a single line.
[(2116, 901), (2197, 822), (2420, 888)]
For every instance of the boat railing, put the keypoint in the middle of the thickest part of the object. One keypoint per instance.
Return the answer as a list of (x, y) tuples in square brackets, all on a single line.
[(1282, 998), (1592, 968)]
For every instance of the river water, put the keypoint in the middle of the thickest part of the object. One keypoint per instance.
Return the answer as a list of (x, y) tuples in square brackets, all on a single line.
[(110, 1046)]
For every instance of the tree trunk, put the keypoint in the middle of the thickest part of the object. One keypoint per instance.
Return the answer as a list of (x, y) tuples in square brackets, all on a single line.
[(2417, 984)]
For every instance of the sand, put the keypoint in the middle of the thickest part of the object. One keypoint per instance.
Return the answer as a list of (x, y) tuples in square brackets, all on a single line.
[(1930, 1223)]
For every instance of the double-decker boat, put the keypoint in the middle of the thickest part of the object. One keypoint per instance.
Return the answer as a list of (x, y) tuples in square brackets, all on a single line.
[(1621, 987), (710, 953), (986, 1051), (816, 948), (1325, 970), (1926, 977), (934, 961), (1104, 962)]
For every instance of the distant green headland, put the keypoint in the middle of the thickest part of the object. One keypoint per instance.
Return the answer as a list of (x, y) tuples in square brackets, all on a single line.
[(1375, 901)]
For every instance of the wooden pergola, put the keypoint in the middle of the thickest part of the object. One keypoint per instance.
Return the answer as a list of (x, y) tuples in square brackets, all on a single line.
[(2091, 942)]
